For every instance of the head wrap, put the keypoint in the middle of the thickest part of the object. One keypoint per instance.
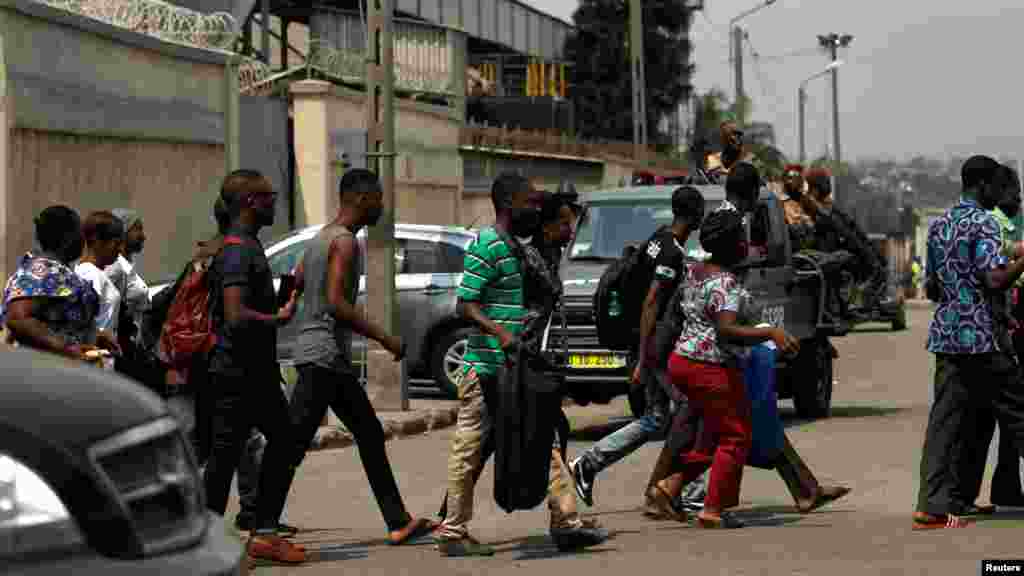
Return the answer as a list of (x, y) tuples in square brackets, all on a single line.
[(127, 216)]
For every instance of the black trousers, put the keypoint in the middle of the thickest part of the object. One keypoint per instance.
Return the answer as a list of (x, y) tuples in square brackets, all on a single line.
[(319, 388), (1006, 481), (239, 404), (967, 389)]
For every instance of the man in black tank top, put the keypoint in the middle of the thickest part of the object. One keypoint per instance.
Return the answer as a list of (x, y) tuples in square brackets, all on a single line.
[(328, 280)]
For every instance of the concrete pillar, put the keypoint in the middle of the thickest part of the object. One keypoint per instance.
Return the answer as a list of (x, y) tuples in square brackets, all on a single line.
[(386, 384), (316, 201)]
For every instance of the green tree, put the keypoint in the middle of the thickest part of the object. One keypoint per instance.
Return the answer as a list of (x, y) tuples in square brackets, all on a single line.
[(599, 54)]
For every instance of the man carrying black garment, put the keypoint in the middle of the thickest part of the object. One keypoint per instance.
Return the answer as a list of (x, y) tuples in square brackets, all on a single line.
[(244, 384), (492, 296)]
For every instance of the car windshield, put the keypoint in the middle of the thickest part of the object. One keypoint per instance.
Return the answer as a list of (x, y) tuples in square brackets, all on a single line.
[(604, 230)]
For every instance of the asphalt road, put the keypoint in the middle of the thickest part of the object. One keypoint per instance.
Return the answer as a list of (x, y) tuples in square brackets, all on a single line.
[(872, 444)]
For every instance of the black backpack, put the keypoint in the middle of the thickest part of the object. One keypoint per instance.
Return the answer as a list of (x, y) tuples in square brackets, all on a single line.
[(619, 299)]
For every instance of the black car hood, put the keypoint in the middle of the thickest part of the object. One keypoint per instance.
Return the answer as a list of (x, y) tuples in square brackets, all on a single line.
[(580, 278), (69, 404)]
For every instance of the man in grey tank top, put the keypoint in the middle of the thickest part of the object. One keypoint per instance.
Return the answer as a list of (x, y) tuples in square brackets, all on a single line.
[(327, 279)]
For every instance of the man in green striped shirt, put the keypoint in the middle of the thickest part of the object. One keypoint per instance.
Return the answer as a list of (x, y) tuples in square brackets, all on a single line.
[(491, 297)]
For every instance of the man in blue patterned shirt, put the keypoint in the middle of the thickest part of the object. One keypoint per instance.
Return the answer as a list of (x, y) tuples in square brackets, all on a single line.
[(966, 270)]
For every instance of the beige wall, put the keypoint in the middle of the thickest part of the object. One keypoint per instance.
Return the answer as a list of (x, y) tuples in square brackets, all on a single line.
[(97, 118), (428, 169), (172, 185)]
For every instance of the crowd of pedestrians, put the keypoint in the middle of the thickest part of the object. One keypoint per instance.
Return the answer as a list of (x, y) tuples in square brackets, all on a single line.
[(76, 293)]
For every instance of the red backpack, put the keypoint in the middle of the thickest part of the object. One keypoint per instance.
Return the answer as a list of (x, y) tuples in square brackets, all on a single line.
[(188, 329)]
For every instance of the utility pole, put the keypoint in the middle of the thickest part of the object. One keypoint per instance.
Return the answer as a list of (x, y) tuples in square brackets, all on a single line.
[(832, 43), (736, 56), (636, 59), (385, 377)]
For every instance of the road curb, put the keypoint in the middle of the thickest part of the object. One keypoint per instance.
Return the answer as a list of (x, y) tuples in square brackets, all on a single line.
[(396, 425)]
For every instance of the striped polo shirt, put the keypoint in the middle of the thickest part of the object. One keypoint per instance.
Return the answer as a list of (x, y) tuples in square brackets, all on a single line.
[(491, 278)]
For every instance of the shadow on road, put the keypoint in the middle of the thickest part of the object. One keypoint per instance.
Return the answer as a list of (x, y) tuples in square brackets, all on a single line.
[(543, 547), (597, 431)]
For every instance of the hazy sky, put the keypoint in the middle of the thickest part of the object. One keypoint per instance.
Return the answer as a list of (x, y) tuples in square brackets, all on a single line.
[(931, 77)]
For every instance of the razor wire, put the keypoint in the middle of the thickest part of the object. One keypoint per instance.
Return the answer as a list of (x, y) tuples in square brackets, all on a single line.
[(158, 19)]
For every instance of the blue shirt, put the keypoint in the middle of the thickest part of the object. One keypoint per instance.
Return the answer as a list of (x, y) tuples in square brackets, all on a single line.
[(963, 244)]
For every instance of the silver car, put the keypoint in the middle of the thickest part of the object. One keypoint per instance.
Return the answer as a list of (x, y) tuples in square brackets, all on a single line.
[(429, 269)]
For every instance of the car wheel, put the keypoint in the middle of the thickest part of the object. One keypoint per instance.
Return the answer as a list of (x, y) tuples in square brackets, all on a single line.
[(812, 392), (447, 360), (637, 401)]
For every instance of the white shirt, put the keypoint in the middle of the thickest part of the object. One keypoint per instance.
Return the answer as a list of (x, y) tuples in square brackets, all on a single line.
[(110, 296), (135, 291)]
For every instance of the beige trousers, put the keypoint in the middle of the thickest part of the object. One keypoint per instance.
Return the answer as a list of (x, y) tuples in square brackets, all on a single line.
[(471, 427)]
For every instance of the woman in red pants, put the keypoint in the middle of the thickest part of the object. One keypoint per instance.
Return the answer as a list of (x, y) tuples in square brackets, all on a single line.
[(705, 365)]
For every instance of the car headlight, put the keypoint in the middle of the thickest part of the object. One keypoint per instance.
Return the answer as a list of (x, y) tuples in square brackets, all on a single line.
[(32, 516)]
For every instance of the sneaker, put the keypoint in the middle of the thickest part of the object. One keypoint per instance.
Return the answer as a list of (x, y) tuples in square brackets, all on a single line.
[(577, 538), (463, 548), (689, 505), (275, 549), (584, 480)]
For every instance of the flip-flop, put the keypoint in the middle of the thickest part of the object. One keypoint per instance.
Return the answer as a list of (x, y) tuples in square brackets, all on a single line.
[(824, 498), (981, 510), (929, 522), (422, 527)]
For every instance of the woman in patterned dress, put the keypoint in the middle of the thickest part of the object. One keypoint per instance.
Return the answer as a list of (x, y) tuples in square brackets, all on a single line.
[(45, 304), (706, 365)]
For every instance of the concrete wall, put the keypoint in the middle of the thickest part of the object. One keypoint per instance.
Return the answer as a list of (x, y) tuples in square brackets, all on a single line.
[(101, 118), (428, 170)]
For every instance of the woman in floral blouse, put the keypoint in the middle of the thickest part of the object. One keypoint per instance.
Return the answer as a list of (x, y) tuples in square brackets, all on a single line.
[(45, 304), (706, 364)]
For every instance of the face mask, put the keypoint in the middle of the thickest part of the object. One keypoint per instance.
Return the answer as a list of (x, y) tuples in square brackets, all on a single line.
[(373, 215), (524, 221)]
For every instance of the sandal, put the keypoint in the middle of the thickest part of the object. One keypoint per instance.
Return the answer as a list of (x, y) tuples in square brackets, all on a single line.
[(415, 530), (723, 521), (826, 495), (924, 521), (659, 506)]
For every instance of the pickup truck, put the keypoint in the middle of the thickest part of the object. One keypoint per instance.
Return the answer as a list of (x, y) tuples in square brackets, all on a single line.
[(788, 289)]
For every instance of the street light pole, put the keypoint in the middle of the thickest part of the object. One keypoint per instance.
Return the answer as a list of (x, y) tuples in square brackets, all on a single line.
[(801, 95), (736, 55), (832, 42)]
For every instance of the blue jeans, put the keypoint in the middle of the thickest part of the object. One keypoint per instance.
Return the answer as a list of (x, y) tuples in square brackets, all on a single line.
[(628, 439)]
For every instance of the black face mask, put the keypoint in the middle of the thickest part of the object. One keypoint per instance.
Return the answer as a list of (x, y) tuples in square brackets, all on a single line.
[(525, 222), (730, 154), (373, 215)]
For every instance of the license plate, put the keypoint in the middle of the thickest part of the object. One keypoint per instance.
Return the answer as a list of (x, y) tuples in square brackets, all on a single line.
[(596, 361)]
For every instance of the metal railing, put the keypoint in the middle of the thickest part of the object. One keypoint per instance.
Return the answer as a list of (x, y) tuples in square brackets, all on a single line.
[(561, 143)]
